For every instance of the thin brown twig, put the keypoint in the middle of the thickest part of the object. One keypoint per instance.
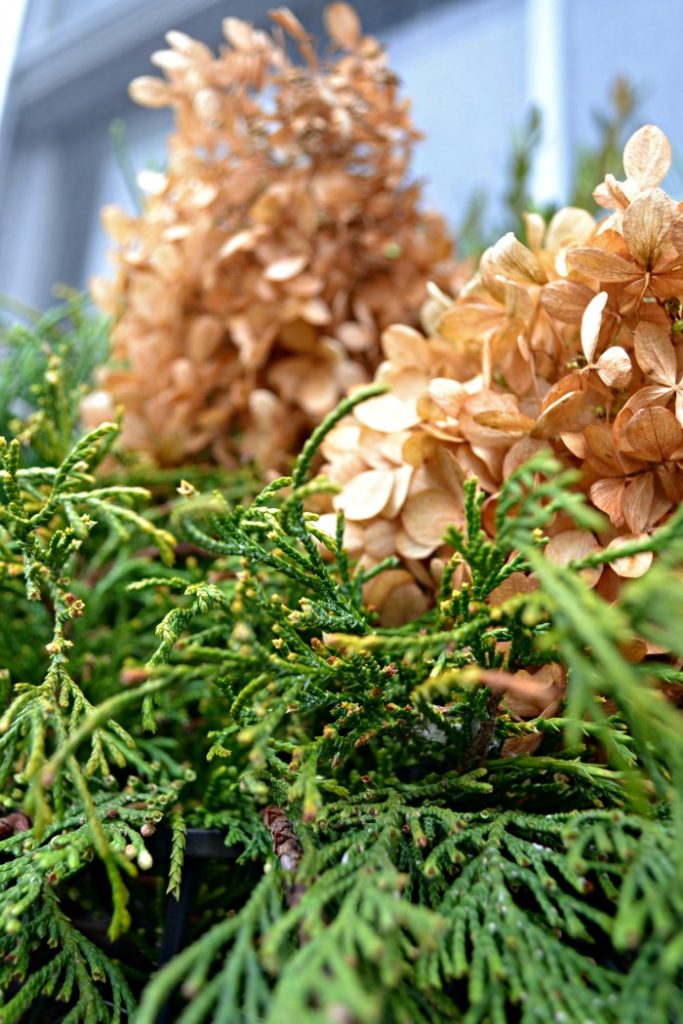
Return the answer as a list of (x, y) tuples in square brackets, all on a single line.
[(286, 847)]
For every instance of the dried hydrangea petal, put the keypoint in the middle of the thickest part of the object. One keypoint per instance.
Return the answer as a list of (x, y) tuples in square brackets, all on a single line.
[(343, 25), (366, 495), (630, 566), (572, 546), (427, 515), (282, 242), (647, 226), (654, 433), (655, 354), (647, 156)]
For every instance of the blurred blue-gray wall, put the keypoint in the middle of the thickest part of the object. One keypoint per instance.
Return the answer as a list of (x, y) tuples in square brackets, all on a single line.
[(471, 67)]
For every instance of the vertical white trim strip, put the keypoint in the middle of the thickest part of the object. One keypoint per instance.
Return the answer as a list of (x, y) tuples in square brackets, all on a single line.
[(11, 21), (546, 46)]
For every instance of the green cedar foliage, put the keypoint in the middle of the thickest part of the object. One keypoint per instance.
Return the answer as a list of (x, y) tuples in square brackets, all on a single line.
[(439, 879), (46, 361)]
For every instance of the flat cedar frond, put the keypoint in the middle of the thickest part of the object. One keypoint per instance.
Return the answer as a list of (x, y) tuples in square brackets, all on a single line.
[(44, 519), (61, 670), (31, 919), (451, 823), (432, 695), (496, 915), (47, 364), (434, 861)]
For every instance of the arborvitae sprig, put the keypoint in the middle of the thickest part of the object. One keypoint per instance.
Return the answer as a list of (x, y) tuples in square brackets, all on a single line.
[(39, 535), (439, 881), (65, 734), (32, 922), (433, 914), (47, 362)]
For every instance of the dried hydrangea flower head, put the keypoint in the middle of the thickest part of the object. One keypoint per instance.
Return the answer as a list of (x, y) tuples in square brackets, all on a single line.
[(570, 342), (282, 237)]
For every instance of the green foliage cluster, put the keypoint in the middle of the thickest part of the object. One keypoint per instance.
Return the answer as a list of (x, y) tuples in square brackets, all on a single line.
[(46, 361), (436, 879)]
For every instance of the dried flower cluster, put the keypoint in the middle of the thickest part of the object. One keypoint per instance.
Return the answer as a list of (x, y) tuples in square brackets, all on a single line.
[(280, 240), (570, 342)]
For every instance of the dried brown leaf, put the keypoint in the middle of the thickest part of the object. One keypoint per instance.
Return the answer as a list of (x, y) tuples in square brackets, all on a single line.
[(520, 452), (467, 320), (404, 346), (534, 227), (387, 413), (379, 539), (677, 234), (287, 20), (644, 398), (526, 695), (241, 35), (600, 445), (427, 515), (198, 52), (513, 260), (516, 583), (377, 590), (447, 395), (565, 301), (285, 268), (569, 226), (569, 413), (608, 496), (572, 546), (403, 604), (366, 495), (630, 566), (410, 548), (610, 195), (399, 492), (509, 422), (150, 92)]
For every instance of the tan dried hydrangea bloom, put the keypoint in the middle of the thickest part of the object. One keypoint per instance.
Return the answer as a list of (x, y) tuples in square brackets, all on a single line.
[(569, 343), (283, 236)]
